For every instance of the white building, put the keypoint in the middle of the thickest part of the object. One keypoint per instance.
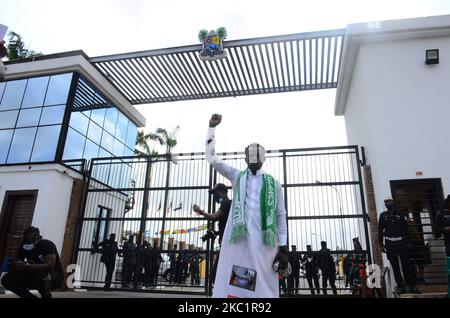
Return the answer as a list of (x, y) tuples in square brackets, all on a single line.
[(397, 107), (53, 112), (58, 111)]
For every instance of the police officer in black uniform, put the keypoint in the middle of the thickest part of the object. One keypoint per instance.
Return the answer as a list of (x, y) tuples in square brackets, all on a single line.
[(293, 279), (129, 261), (394, 235), (328, 268), (443, 225), (109, 252), (311, 265)]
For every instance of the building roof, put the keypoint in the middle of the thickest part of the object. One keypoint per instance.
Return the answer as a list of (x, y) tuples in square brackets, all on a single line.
[(285, 63), (390, 30), (75, 61)]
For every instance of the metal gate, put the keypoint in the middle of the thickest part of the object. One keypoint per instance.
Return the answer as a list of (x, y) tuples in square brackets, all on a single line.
[(151, 198)]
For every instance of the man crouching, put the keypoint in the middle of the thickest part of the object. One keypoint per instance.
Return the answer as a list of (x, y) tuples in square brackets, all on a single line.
[(37, 267)]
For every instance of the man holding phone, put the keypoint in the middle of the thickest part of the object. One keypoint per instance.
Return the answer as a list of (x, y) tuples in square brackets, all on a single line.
[(37, 267)]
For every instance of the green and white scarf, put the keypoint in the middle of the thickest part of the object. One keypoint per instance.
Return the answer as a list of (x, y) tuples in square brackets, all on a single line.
[(268, 203)]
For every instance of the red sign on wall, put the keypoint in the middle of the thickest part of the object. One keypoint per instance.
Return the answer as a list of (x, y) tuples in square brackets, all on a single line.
[(419, 173)]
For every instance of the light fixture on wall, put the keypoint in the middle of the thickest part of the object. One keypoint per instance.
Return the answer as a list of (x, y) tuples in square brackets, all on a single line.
[(432, 56)]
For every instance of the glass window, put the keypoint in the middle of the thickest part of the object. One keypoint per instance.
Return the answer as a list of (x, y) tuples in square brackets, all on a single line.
[(91, 150), (58, 89), (107, 141), (12, 97), (118, 148), (44, 148), (35, 92), (101, 226), (94, 132), (5, 140), (21, 145), (98, 115), (111, 120), (103, 153), (79, 122), (8, 119), (29, 117), (2, 88), (74, 145), (52, 115), (131, 135), (121, 130), (128, 152)]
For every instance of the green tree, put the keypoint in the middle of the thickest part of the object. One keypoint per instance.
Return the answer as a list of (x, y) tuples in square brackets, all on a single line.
[(143, 141), (169, 138), (17, 49)]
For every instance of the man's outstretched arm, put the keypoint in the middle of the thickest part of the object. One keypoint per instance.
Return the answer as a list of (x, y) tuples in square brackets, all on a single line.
[(225, 170)]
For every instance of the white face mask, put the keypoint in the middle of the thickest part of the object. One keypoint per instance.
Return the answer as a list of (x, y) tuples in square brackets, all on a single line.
[(220, 200), (28, 247)]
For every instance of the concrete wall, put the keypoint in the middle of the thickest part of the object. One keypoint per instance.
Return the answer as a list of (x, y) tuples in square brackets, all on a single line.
[(54, 184), (398, 109)]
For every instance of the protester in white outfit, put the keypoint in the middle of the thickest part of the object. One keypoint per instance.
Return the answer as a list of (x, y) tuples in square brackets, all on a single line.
[(255, 238)]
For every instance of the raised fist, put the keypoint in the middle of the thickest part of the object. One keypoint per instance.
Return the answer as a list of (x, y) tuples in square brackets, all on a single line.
[(215, 120), (197, 209)]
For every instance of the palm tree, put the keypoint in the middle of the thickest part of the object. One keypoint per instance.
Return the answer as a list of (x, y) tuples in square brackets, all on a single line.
[(16, 48), (169, 139), (142, 140)]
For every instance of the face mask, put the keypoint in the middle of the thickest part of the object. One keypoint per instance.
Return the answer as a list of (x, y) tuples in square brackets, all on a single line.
[(220, 200), (28, 247)]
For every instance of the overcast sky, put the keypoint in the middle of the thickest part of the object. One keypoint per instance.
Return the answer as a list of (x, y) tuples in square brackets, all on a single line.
[(288, 120)]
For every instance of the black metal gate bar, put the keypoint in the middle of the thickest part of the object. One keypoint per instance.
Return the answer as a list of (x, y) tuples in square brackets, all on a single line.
[(151, 197)]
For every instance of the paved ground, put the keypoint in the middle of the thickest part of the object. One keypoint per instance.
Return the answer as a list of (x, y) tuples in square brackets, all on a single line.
[(111, 294)]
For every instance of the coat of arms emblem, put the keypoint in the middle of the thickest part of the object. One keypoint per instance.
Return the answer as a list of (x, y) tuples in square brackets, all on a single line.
[(212, 44)]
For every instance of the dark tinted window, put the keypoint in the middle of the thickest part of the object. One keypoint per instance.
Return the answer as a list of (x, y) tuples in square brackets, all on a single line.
[(35, 92), (21, 145), (46, 142)]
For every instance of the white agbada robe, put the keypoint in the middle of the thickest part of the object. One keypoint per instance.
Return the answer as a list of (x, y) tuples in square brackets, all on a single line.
[(250, 252)]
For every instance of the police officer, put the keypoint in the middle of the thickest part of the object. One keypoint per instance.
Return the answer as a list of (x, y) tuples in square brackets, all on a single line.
[(443, 225), (109, 252), (156, 263), (129, 261), (328, 268), (309, 260), (294, 260), (393, 234), (147, 259)]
